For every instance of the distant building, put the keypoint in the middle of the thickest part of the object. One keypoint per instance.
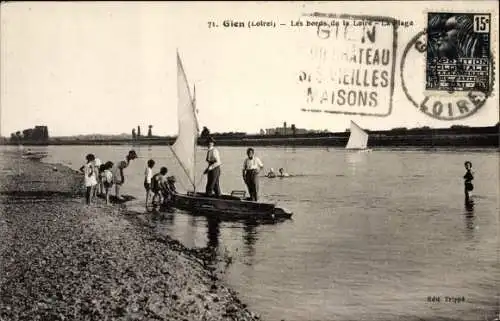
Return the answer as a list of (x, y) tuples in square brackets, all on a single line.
[(292, 130), (37, 134)]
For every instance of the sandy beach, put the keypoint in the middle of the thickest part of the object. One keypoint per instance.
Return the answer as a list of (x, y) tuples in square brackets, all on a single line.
[(61, 260)]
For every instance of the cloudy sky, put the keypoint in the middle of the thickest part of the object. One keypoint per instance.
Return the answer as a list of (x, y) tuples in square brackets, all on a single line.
[(93, 67)]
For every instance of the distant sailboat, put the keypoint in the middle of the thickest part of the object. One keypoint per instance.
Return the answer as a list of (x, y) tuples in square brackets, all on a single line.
[(358, 139)]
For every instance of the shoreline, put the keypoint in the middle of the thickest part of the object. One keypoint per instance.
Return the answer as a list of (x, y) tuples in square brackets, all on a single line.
[(61, 260)]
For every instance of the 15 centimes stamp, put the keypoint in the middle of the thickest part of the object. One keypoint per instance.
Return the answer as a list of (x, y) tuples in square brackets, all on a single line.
[(458, 52), (348, 64), (447, 70)]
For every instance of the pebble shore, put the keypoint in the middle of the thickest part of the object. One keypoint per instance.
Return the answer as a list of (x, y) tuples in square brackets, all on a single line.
[(62, 260)]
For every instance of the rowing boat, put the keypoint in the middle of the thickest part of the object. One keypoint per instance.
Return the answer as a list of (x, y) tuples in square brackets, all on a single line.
[(233, 206)]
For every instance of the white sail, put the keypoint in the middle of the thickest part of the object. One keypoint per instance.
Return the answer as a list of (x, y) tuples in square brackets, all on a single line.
[(358, 138), (184, 147)]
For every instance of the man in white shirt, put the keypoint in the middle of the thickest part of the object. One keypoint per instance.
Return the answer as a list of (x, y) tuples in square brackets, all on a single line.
[(251, 169), (213, 169)]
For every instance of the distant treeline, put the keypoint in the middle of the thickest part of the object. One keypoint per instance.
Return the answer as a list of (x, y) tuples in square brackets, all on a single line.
[(422, 136)]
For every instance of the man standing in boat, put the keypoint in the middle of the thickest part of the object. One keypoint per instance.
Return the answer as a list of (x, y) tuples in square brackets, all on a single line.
[(213, 169), (251, 169)]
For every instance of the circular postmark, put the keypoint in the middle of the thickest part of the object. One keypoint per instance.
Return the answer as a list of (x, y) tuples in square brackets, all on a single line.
[(443, 104)]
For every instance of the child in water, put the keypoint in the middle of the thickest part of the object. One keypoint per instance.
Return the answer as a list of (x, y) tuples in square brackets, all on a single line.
[(468, 177), (271, 173), (283, 173)]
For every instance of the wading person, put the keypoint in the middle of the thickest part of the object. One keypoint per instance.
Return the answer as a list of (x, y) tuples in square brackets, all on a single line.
[(89, 179), (118, 174), (282, 173), (251, 168), (468, 177), (148, 174), (213, 169)]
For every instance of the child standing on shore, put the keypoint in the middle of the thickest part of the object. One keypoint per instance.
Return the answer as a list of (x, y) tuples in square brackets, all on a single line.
[(107, 179), (148, 174), (89, 179), (97, 165)]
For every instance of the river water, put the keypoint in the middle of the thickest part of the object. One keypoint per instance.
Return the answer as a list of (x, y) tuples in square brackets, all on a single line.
[(372, 237)]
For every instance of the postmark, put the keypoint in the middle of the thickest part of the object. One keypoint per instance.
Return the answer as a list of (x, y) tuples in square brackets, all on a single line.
[(445, 100), (458, 51), (349, 64)]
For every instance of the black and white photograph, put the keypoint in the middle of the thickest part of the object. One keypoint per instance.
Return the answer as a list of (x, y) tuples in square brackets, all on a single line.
[(266, 160)]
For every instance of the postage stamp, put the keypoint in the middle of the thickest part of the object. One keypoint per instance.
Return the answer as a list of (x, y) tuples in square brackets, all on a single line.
[(349, 64), (447, 71), (458, 51)]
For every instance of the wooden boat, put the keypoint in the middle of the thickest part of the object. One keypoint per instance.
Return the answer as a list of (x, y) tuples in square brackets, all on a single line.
[(184, 148), (358, 139)]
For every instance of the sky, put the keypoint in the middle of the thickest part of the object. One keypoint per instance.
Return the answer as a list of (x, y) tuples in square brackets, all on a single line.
[(107, 67)]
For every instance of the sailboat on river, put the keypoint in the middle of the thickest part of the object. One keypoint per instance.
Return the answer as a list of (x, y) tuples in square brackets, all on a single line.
[(358, 139), (234, 206)]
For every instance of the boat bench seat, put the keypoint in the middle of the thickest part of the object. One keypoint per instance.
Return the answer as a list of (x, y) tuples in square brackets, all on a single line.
[(239, 194)]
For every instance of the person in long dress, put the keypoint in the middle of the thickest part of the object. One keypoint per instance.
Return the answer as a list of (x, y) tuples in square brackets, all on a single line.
[(213, 169), (251, 168)]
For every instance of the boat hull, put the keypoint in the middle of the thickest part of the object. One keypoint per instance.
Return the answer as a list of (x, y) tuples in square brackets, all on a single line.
[(229, 207)]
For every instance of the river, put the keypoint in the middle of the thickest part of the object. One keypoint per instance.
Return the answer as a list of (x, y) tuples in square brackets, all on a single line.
[(372, 237)]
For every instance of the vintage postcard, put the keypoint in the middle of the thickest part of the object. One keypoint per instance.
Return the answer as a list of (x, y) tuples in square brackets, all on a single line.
[(249, 160)]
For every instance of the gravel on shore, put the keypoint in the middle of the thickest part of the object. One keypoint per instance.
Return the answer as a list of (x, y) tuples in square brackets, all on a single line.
[(61, 260)]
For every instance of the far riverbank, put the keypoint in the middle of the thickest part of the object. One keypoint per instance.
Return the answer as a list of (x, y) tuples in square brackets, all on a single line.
[(399, 137)]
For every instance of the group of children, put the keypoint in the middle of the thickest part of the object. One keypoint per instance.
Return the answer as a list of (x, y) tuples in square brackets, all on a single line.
[(161, 186), (98, 178)]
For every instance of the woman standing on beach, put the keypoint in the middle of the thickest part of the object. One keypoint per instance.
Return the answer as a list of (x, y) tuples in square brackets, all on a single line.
[(89, 179)]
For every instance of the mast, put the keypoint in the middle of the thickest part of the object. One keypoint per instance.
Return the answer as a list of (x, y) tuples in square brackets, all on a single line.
[(196, 139)]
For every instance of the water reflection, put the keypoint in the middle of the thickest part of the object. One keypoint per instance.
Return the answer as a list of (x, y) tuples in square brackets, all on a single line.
[(355, 160), (469, 218), (249, 238), (213, 232)]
